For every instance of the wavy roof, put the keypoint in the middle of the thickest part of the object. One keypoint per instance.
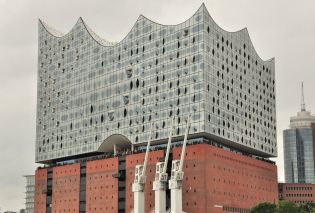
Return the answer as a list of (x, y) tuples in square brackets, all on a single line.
[(105, 43)]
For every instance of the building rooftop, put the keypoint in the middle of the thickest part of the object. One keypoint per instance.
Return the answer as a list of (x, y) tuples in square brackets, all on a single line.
[(304, 118)]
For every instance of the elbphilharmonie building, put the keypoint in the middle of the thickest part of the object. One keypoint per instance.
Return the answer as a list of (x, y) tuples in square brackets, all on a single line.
[(97, 101), (94, 94)]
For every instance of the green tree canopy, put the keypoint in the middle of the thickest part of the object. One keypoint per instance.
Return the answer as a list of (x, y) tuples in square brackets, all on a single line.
[(289, 207), (264, 208), (283, 207)]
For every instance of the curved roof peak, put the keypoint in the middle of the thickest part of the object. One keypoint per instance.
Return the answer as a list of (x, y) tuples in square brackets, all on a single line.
[(95, 36), (50, 29), (202, 9), (56, 33), (244, 31)]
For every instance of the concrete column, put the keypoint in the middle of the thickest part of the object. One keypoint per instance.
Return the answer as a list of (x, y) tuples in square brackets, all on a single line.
[(176, 200), (160, 201), (115, 150), (138, 202)]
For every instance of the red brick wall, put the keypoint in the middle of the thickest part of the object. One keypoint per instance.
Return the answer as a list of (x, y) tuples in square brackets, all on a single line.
[(131, 162), (213, 176), (313, 128), (66, 188), (194, 190), (101, 187), (299, 192), (40, 191)]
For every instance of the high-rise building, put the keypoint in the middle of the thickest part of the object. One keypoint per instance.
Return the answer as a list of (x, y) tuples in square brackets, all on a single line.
[(299, 147), (97, 99), (29, 193), (90, 89)]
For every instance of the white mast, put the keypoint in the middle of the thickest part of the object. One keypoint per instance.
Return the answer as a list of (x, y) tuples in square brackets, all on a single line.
[(175, 183), (159, 184), (140, 178), (302, 100)]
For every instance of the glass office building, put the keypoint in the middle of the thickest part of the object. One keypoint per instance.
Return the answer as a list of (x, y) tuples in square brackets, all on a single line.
[(298, 142), (92, 92), (29, 193)]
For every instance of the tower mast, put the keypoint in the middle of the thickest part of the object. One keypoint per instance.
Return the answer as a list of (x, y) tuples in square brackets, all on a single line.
[(302, 99)]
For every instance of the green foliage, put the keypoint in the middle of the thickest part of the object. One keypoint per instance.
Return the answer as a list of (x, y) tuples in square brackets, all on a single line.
[(264, 208), (283, 207), (308, 207), (289, 207)]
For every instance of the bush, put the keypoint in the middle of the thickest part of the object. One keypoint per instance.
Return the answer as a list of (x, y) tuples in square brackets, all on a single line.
[(264, 208), (283, 207)]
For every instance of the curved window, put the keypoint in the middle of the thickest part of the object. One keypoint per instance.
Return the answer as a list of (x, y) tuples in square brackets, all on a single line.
[(126, 99), (111, 115), (129, 73)]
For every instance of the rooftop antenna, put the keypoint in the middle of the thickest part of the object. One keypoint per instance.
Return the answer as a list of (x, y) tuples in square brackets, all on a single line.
[(302, 100)]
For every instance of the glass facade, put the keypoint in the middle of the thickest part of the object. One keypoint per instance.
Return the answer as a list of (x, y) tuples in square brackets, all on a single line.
[(90, 89), (29, 193), (298, 155)]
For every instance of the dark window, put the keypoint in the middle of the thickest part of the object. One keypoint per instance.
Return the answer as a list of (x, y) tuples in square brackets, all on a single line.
[(125, 112), (131, 85), (102, 118)]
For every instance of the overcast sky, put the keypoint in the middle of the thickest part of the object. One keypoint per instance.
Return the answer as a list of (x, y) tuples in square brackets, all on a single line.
[(284, 29)]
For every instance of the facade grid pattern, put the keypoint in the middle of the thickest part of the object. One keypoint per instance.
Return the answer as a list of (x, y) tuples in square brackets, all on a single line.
[(90, 89)]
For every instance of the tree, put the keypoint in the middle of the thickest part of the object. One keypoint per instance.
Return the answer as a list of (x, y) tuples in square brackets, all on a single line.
[(264, 208), (289, 207), (308, 207)]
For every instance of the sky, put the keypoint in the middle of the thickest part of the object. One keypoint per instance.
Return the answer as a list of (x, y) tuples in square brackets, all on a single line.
[(284, 29)]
